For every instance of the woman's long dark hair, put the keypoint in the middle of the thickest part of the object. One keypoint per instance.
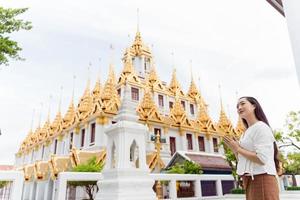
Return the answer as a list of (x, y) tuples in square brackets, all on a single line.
[(260, 115)]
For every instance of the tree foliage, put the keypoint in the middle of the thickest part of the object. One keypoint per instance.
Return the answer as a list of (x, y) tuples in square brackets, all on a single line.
[(90, 186), (3, 183), (232, 161), (187, 167), (9, 24), (290, 134)]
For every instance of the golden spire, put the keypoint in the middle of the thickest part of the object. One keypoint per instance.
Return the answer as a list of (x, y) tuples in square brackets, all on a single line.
[(152, 80), (174, 86), (85, 104), (193, 91), (34, 136), (178, 115), (97, 90), (204, 121), (70, 117), (240, 128), (97, 102), (224, 123), (128, 74), (110, 98), (56, 126), (138, 48), (147, 109), (45, 131)]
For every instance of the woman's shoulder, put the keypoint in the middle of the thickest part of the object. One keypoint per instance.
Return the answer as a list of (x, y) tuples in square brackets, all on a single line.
[(261, 129)]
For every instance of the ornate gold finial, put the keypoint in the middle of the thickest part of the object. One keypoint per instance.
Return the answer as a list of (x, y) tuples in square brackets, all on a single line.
[(56, 126), (128, 74), (97, 102), (240, 128), (224, 123), (110, 98), (70, 117), (178, 115), (138, 48), (152, 80), (85, 104), (174, 87), (204, 122), (147, 109), (193, 91)]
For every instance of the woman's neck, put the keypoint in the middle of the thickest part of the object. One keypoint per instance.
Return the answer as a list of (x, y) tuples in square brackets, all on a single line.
[(251, 120)]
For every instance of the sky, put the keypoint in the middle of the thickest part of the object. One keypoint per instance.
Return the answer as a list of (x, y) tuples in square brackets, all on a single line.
[(243, 46)]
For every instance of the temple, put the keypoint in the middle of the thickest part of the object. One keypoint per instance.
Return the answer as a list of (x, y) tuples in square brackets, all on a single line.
[(179, 119)]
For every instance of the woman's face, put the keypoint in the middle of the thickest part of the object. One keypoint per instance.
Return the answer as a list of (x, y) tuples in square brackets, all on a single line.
[(245, 108)]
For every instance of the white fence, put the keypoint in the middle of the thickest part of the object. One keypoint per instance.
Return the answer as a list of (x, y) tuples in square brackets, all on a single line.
[(17, 179)]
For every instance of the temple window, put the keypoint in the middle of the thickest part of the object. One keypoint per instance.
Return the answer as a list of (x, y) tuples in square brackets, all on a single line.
[(201, 143), (183, 104), (93, 132), (55, 146), (189, 141), (170, 105), (134, 94), (82, 137), (215, 145), (71, 140), (161, 100), (172, 145), (192, 109)]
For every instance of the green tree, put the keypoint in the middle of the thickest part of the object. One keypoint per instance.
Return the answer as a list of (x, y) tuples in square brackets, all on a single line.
[(292, 165), (290, 135), (90, 186), (232, 161), (9, 24), (187, 167)]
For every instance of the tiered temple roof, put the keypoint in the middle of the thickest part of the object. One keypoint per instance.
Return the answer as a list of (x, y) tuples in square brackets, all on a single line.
[(104, 102)]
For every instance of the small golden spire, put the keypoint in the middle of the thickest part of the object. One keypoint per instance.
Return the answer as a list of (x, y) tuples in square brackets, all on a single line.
[(152, 80), (56, 126), (174, 86), (178, 115), (128, 74), (70, 118), (147, 109), (240, 128), (224, 123), (110, 98), (193, 91)]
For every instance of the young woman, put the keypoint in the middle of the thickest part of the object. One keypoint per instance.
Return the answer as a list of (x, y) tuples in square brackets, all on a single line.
[(256, 152)]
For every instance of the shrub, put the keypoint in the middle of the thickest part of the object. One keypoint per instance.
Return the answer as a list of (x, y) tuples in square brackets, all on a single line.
[(238, 191), (293, 188)]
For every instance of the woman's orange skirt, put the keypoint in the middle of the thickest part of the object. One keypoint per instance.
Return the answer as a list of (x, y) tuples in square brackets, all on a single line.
[(263, 187)]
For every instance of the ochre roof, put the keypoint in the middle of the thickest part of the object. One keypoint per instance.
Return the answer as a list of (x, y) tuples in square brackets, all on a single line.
[(209, 162)]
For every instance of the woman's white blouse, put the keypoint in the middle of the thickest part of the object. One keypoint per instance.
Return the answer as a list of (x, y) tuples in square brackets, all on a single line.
[(257, 138)]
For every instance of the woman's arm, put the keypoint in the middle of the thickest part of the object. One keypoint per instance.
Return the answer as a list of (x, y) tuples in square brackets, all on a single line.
[(249, 155), (237, 149)]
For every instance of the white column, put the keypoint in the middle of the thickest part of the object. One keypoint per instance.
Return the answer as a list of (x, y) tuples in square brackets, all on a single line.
[(183, 142), (197, 186), (172, 189), (292, 15), (62, 187), (219, 187)]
